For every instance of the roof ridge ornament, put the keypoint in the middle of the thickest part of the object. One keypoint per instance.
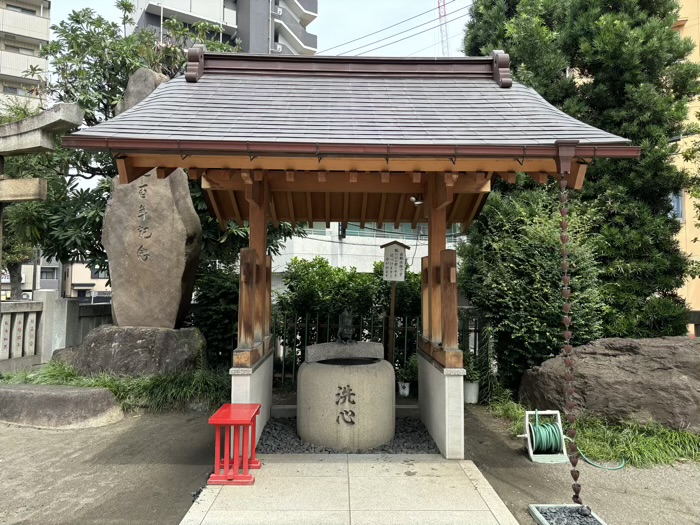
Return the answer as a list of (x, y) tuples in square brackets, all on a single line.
[(501, 68), (195, 63)]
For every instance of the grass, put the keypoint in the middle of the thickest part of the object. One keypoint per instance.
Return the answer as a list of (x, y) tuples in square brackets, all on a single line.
[(641, 445), (154, 393)]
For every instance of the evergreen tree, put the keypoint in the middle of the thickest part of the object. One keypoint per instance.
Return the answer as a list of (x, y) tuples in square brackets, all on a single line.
[(618, 65)]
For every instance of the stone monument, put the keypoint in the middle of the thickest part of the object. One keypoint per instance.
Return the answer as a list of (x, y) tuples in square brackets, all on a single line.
[(152, 236)]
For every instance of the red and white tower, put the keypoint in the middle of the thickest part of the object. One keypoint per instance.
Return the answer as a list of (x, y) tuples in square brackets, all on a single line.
[(442, 11)]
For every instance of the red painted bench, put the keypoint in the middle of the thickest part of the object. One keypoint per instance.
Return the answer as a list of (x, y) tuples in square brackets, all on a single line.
[(235, 418)]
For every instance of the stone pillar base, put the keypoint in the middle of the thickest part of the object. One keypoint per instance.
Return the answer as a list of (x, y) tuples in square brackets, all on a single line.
[(441, 402)]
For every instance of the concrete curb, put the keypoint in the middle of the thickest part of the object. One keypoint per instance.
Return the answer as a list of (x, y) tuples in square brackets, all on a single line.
[(61, 407)]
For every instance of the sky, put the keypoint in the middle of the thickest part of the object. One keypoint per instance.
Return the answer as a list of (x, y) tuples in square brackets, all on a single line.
[(340, 21)]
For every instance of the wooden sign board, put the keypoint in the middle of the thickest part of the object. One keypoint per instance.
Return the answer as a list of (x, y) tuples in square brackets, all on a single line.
[(394, 261)]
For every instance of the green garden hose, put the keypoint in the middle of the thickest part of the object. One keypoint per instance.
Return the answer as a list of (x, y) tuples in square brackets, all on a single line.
[(547, 439)]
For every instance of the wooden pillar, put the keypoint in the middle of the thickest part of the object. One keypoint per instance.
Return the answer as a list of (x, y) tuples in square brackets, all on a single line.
[(257, 195), (268, 296), (437, 239), (425, 299), (448, 284), (246, 299)]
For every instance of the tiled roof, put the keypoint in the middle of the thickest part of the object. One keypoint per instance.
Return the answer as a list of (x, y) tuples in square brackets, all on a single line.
[(356, 101)]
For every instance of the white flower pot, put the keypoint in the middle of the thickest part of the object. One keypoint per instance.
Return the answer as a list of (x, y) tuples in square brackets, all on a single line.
[(404, 389), (471, 393)]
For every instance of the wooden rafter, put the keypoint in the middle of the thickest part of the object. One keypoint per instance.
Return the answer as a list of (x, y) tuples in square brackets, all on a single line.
[(273, 210), (128, 172), (292, 216), (363, 211), (455, 208), (382, 207), (479, 201), (215, 208), (236, 209), (399, 210), (162, 173), (309, 210)]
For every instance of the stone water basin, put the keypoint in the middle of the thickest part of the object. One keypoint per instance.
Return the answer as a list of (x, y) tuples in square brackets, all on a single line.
[(346, 397)]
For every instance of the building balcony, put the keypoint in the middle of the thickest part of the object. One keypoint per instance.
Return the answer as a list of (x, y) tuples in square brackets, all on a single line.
[(303, 42), (180, 10), (24, 25), (306, 11), (13, 65)]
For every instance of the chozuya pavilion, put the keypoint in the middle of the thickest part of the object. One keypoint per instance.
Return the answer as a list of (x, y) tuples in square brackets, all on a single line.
[(321, 138)]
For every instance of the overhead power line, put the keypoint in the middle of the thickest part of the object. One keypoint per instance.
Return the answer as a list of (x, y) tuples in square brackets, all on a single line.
[(434, 44), (402, 32), (383, 29), (409, 36)]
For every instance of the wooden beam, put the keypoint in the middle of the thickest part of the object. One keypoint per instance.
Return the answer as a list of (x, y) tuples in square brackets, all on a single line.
[(540, 178), (425, 297), (321, 176), (479, 201), (246, 298), (128, 171), (236, 210), (448, 296), (443, 192), (353, 176), (273, 211), (216, 209), (577, 176), (195, 173), (290, 204), (382, 207), (399, 210), (410, 165), (416, 177), (416, 216), (254, 194), (162, 173), (455, 208), (289, 176), (510, 177), (363, 212), (437, 238), (327, 198), (309, 210), (385, 177), (257, 225), (258, 175), (367, 182)]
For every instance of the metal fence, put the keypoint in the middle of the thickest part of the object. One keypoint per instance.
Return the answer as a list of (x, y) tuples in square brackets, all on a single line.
[(293, 333)]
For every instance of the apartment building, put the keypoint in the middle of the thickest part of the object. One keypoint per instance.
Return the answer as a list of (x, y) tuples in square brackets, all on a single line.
[(688, 25), (24, 28), (263, 26)]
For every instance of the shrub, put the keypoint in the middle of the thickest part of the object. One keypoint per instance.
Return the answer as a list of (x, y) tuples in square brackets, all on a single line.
[(511, 270)]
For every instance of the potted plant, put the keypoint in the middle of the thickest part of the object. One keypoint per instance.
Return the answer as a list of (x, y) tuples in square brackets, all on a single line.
[(471, 380), (405, 376)]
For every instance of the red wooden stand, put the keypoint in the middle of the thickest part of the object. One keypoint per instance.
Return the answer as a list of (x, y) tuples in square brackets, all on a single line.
[(235, 418)]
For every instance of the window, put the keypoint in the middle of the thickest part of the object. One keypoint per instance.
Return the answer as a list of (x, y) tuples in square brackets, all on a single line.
[(49, 273), (10, 90), (96, 274), (21, 50), (82, 293), (678, 206), (22, 10)]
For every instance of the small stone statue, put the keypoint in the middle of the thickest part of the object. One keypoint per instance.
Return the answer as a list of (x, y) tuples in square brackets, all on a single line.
[(345, 328)]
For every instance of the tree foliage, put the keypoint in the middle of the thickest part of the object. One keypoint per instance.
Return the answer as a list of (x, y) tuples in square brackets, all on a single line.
[(511, 271), (622, 67)]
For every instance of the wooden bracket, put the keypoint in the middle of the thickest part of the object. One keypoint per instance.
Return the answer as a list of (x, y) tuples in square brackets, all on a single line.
[(254, 194)]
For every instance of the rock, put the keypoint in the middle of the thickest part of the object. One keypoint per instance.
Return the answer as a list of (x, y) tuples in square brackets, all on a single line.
[(135, 351), (152, 236), (53, 406), (141, 83), (626, 379)]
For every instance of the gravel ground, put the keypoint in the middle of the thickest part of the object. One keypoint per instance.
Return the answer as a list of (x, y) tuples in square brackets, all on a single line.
[(566, 516), (280, 437)]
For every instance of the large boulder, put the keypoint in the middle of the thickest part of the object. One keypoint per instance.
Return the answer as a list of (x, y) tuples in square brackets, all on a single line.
[(135, 351), (141, 84), (152, 236), (626, 379)]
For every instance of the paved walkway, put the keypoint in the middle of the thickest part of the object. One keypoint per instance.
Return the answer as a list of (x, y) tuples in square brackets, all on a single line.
[(357, 489)]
